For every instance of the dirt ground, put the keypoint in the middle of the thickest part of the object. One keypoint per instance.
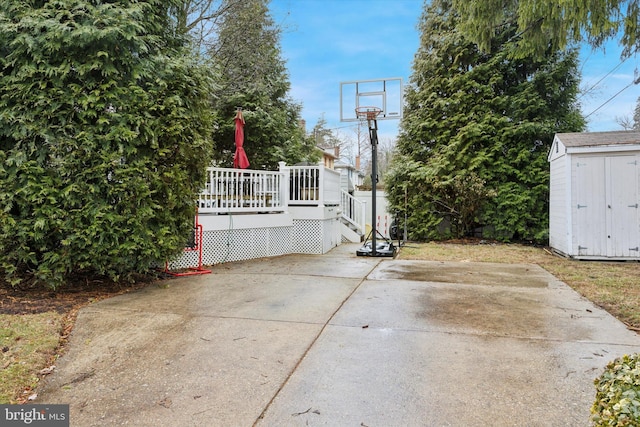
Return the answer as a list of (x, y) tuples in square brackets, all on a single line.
[(67, 300)]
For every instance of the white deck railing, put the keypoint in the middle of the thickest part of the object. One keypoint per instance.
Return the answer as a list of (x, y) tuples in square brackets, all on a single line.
[(252, 191), (353, 211), (313, 186), (242, 190)]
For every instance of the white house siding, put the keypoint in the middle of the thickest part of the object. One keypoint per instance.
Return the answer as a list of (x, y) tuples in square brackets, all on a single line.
[(347, 177), (346, 183)]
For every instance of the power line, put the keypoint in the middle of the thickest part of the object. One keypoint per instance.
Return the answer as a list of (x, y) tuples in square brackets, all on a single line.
[(634, 82), (604, 77)]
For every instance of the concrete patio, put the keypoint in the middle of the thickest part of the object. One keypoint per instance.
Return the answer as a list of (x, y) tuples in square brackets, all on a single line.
[(340, 340)]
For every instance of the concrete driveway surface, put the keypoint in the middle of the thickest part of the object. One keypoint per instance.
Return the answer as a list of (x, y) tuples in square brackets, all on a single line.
[(340, 340)]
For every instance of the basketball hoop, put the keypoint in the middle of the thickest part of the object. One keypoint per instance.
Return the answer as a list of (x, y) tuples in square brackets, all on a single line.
[(368, 113)]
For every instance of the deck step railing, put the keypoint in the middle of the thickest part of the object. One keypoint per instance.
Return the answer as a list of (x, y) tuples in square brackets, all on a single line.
[(353, 212)]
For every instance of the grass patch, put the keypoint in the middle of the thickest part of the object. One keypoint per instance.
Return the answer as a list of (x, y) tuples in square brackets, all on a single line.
[(614, 286), (28, 343)]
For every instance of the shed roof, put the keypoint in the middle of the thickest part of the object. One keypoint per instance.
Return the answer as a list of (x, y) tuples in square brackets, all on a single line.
[(592, 139)]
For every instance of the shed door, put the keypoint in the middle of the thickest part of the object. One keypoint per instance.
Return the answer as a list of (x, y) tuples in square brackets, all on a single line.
[(607, 206), (590, 226), (622, 206)]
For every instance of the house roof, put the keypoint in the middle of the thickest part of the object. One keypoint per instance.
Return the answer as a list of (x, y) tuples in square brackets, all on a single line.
[(327, 152), (591, 139), (343, 165)]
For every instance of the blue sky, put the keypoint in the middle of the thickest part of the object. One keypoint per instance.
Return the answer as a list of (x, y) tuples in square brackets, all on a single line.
[(326, 42)]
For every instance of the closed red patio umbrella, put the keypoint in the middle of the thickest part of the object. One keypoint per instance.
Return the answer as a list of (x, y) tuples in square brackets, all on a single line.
[(240, 157)]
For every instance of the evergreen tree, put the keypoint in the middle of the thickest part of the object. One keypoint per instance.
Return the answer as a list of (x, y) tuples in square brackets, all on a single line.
[(544, 24), (253, 76), (104, 138), (324, 137), (474, 139)]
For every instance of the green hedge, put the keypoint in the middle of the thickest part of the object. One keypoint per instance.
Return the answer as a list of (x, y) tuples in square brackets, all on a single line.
[(105, 127)]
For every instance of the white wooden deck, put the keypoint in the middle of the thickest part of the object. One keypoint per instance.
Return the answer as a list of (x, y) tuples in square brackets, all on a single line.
[(248, 214)]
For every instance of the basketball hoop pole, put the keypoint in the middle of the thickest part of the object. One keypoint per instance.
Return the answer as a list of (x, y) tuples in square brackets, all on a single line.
[(373, 137), (378, 99), (371, 114)]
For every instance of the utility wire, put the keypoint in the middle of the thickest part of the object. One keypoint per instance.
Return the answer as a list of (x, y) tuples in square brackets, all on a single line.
[(634, 82), (604, 77)]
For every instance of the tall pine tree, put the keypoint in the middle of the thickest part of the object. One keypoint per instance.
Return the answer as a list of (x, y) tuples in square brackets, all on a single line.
[(253, 76), (544, 23), (475, 135)]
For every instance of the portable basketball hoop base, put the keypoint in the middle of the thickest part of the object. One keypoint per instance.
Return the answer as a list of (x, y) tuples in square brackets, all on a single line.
[(196, 247), (382, 249), (372, 247)]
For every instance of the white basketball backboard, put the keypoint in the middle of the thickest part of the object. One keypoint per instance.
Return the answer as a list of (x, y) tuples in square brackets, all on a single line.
[(385, 94)]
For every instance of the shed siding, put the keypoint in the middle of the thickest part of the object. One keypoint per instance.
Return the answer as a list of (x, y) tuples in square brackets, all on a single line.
[(558, 206)]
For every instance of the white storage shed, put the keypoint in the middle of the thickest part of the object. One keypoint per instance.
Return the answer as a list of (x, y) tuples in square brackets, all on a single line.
[(593, 195)]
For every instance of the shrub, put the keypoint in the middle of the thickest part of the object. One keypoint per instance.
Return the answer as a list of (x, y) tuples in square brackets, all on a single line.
[(104, 139), (618, 393)]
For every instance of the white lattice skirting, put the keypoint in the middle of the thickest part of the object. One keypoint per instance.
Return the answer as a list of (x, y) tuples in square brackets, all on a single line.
[(239, 237), (315, 236), (239, 244)]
